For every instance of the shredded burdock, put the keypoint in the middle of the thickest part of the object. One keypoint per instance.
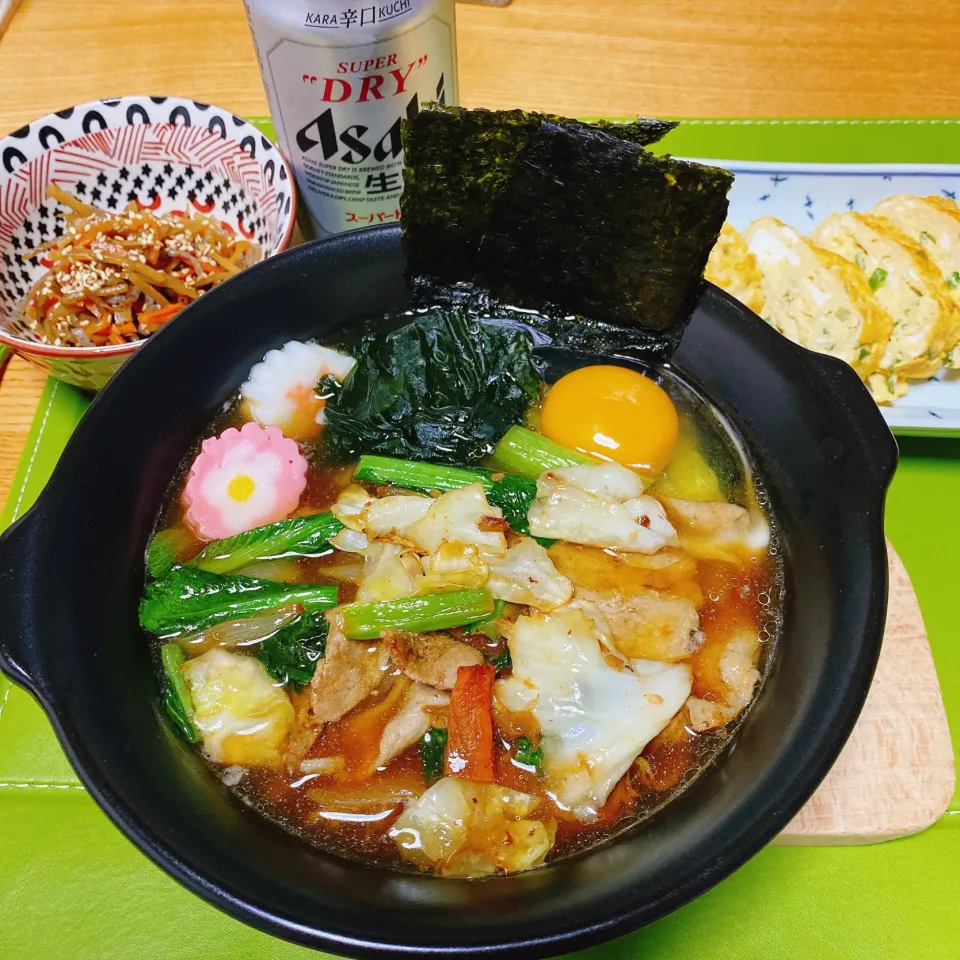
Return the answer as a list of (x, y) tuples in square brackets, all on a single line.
[(115, 278)]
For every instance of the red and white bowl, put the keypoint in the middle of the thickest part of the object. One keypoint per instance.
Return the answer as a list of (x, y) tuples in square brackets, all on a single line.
[(165, 153)]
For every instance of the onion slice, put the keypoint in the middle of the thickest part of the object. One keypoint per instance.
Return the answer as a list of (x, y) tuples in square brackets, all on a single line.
[(240, 633)]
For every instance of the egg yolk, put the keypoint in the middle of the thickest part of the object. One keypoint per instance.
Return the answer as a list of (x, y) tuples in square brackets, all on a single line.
[(612, 413)]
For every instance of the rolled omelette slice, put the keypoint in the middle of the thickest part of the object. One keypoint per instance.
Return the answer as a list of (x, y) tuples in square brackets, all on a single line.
[(817, 298), (933, 223), (908, 285), (734, 268)]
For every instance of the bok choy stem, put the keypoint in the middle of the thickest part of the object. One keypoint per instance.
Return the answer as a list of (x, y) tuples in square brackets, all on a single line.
[(299, 537), (187, 600), (527, 453), (367, 620)]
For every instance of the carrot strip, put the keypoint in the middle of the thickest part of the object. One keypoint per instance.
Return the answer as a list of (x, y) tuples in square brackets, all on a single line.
[(470, 724), (162, 315)]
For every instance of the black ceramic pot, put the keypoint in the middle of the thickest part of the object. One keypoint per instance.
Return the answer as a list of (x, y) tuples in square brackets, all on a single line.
[(71, 573)]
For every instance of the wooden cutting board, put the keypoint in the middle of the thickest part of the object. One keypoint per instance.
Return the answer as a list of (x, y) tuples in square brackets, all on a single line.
[(896, 774)]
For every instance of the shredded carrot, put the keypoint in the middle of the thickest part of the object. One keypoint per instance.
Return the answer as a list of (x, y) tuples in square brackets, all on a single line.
[(153, 317), (470, 724), (114, 277)]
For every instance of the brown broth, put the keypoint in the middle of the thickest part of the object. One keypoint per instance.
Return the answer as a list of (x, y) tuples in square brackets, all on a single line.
[(729, 597)]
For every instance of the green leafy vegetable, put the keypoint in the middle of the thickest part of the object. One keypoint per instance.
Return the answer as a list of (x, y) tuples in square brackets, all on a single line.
[(551, 213), (444, 387), (954, 281), (878, 278), (176, 697), (502, 661), (432, 751), (187, 600), (513, 495), (291, 654), (486, 625), (299, 537), (366, 620), (528, 756), (165, 549), (528, 453)]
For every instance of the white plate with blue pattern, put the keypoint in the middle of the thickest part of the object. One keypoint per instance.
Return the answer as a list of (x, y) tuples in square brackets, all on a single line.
[(803, 194)]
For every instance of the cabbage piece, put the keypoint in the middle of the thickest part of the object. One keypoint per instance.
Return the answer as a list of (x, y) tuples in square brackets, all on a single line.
[(390, 571), (582, 504), (609, 481), (350, 541), (350, 504), (595, 719), (392, 516), (527, 575), (512, 494), (454, 566), (242, 715), (465, 829), (464, 516)]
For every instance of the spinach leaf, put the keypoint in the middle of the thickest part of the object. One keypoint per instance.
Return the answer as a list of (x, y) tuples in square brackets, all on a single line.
[(433, 748), (443, 388), (187, 600), (291, 654)]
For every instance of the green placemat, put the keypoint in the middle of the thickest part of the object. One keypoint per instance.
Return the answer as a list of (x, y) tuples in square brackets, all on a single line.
[(72, 887)]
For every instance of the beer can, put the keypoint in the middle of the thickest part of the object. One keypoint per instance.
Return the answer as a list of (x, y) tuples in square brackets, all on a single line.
[(340, 77)]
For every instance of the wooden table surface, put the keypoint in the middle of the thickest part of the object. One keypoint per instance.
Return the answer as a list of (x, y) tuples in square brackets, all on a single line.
[(817, 58)]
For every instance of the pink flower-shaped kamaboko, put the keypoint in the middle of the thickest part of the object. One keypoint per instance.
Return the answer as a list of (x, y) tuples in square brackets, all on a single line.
[(242, 479)]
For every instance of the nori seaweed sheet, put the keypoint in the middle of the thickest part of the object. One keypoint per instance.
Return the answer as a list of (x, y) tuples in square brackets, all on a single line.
[(457, 163), (558, 216)]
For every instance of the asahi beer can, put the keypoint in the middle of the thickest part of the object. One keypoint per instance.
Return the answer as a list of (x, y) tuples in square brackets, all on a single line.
[(339, 78)]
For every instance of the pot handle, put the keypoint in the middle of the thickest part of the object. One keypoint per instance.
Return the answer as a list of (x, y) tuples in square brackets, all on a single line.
[(878, 440), (16, 562)]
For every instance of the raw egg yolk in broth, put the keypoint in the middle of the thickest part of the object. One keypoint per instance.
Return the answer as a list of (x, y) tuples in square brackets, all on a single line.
[(613, 413)]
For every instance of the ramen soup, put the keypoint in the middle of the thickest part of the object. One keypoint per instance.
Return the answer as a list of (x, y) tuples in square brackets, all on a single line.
[(448, 601)]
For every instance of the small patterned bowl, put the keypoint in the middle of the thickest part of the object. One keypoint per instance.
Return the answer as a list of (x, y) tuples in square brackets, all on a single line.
[(166, 154)]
